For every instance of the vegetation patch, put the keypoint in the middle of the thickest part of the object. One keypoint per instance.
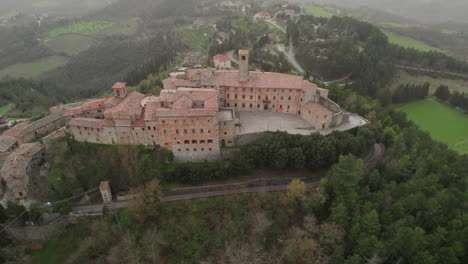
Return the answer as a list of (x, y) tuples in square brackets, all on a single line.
[(35, 68), (316, 11), (404, 77), (442, 122), (57, 250), (82, 27), (127, 28), (5, 109), (70, 44), (195, 39), (407, 42)]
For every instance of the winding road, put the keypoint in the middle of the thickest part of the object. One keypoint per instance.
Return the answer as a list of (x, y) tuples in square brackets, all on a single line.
[(252, 186)]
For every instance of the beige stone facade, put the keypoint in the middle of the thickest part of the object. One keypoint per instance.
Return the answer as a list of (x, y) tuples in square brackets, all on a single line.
[(195, 114)]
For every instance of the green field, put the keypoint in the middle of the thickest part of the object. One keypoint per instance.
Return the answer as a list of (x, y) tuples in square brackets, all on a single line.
[(5, 109), (126, 27), (316, 11), (195, 39), (82, 27), (70, 44), (441, 121), (33, 69), (407, 42)]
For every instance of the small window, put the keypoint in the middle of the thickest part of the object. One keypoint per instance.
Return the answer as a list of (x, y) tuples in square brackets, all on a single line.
[(194, 142), (201, 131), (210, 141), (165, 132), (193, 131)]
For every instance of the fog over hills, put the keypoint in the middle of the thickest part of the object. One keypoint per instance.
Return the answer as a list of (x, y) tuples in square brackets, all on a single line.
[(63, 7), (427, 11)]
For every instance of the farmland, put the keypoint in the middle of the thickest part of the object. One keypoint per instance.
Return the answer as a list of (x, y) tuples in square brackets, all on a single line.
[(82, 27), (407, 42), (70, 44), (316, 11), (33, 69), (442, 122)]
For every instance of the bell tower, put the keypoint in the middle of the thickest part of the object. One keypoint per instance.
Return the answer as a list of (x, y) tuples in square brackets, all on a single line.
[(243, 65), (120, 89)]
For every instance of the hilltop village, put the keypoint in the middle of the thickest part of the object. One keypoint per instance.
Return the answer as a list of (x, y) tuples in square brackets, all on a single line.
[(198, 112)]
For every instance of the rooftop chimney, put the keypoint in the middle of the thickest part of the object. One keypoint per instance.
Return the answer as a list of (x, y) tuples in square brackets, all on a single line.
[(243, 65)]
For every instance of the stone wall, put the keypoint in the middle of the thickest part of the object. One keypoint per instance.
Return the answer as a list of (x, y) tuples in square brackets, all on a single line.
[(199, 153)]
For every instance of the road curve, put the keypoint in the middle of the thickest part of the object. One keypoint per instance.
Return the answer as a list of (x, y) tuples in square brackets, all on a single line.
[(253, 186)]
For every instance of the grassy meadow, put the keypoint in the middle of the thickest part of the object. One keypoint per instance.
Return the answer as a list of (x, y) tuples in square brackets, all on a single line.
[(316, 11), (70, 44), (195, 39), (441, 121), (407, 42), (82, 27), (5, 109), (34, 68)]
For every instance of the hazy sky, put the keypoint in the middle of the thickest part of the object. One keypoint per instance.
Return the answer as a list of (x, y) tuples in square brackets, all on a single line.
[(423, 10)]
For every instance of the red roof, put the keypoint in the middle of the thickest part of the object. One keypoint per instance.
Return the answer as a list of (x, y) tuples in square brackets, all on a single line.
[(263, 13), (94, 104), (221, 58), (119, 85), (129, 106), (17, 128)]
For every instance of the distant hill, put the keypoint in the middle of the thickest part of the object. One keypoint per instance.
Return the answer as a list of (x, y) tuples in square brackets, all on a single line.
[(426, 11)]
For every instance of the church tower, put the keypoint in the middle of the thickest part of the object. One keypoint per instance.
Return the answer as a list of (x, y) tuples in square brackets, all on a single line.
[(120, 89), (243, 65)]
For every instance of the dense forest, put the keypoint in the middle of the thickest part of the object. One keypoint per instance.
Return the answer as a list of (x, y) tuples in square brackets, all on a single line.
[(410, 208)]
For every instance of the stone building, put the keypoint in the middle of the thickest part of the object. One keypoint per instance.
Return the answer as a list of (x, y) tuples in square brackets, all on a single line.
[(105, 190), (222, 62), (7, 145), (16, 171), (263, 15), (195, 114)]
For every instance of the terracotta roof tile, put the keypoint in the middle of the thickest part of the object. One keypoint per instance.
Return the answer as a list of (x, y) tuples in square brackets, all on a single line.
[(91, 122), (221, 58), (129, 106), (6, 142), (15, 129)]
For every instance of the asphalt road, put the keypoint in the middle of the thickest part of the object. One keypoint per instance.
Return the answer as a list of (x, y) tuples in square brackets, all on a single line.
[(226, 189)]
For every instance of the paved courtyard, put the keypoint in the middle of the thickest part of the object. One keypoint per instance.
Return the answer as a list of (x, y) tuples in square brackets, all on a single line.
[(254, 122)]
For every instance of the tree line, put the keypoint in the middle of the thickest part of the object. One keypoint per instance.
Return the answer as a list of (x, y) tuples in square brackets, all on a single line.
[(456, 98)]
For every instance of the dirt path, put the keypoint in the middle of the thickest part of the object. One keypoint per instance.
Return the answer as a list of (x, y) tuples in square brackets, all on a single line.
[(433, 71)]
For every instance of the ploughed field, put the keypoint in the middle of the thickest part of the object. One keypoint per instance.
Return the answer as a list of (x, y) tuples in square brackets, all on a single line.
[(442, 122)]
